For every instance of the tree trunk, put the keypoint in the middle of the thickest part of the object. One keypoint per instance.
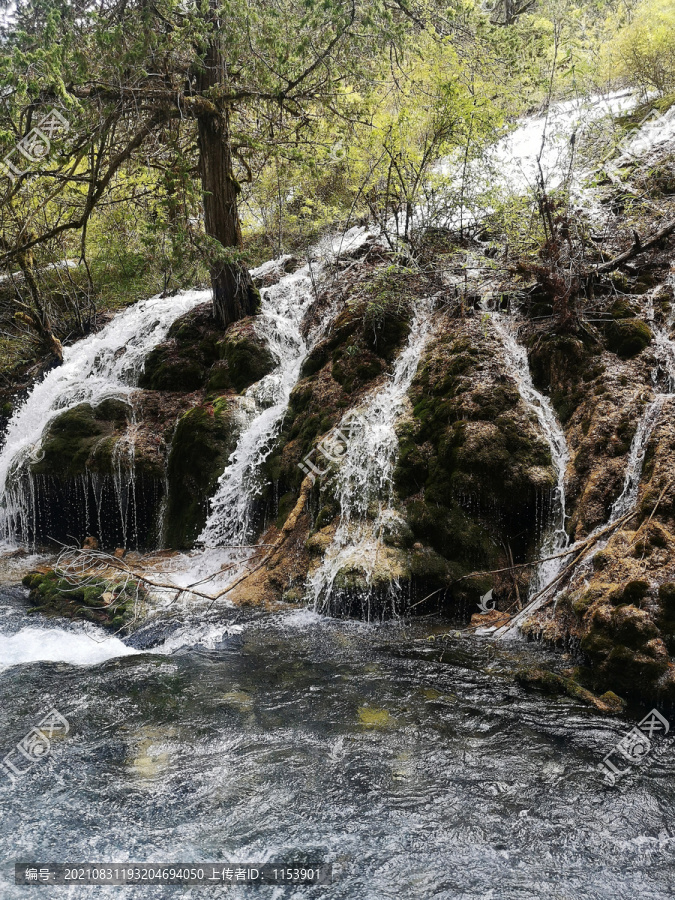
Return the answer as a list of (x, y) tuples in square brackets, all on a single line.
[(234, 295)]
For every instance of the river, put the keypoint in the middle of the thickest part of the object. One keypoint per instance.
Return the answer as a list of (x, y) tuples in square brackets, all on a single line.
[(411, 761)]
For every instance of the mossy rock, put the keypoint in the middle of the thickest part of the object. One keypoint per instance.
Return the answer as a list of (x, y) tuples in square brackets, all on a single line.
[(628, 337), (182, 362), (244, 356), (167, 372), (625, 650), (94, 599), (203, 442), (621, 309), (581, 604), (667, 597), (72, 437)]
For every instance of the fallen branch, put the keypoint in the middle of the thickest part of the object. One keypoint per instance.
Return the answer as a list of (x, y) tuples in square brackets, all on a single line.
[(638, 247)]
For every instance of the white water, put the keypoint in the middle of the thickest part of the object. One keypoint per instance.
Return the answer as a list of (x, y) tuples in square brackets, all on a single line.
[(77, 648), (283, 309), (539, 147), (363, 481), (106, 364), (556, 539)]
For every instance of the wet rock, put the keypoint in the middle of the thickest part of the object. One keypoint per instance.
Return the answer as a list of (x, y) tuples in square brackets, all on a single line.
[(94, 599), (628, 337), (204, 439), (551, 683), (197, 355), (244, 358)]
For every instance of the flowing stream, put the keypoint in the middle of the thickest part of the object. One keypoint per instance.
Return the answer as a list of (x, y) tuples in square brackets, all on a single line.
[(417, 767)]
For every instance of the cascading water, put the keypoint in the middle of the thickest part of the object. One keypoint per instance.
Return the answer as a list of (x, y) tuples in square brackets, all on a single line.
[(105, 365), (664, 371), (282, 311), (364, 478), (556, 538), (664, 349)]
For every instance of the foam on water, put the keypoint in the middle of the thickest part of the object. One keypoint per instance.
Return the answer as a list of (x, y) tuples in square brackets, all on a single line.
[(77, 648)]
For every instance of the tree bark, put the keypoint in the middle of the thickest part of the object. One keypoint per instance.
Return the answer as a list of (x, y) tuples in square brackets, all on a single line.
[(234, 295)]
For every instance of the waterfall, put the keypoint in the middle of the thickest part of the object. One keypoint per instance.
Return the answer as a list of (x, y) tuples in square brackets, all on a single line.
[(104, 365), (283, 309), (556, 538), (664, 351), (363, 482)]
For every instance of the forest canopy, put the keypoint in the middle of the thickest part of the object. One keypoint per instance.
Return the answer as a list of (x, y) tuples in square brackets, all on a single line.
[(151, 146)]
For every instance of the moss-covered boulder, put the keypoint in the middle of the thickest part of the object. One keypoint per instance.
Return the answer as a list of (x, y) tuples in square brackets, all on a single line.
[(95, 599), (182, 362), (628, 337), (626, 652), (203, 442), (198, 355), (72, 437), (243, 358), (472, 465)]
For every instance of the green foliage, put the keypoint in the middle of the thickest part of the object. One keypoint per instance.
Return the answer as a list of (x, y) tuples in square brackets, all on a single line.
[(645, 48)]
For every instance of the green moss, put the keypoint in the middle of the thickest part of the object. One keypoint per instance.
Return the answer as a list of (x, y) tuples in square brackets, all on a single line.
[(204, 439), (69, 442), (326, 515), (286, 504), (667, 596), (621, 309), (94, 599), (622, 647), (164, 371), (628, 337), (581, 604), (246, 356), (634, 591)]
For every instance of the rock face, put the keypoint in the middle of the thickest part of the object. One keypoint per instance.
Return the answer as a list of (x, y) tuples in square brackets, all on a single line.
[(472, 486), (472, 467), (98, 474), (139, 471), (617, 605)]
